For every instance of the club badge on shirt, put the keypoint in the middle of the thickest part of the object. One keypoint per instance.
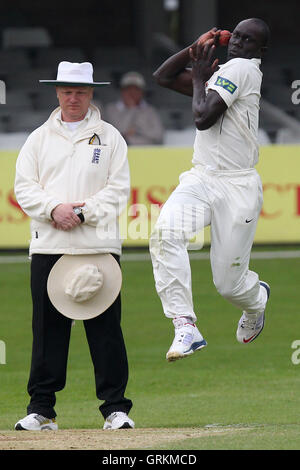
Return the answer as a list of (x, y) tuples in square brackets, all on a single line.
[(96, 155), (226, 84)]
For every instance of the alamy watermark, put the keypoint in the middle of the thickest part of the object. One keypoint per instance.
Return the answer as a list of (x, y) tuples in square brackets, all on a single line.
[(181, 222), (2, 352), (2, 92), (296, 354)]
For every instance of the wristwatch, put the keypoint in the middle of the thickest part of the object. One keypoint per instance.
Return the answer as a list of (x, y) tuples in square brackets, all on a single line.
[(79, 213)]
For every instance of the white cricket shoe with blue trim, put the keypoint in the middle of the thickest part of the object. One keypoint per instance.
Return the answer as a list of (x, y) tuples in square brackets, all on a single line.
[(188, 339), (250, 324)]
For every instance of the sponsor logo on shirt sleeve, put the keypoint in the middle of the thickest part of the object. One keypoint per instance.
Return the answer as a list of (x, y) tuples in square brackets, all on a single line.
[(226, 84)]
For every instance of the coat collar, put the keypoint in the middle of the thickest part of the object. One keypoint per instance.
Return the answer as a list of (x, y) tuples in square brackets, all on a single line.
[(91, 121)]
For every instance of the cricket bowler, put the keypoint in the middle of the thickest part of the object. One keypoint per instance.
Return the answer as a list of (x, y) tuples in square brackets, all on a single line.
[(222, 189)]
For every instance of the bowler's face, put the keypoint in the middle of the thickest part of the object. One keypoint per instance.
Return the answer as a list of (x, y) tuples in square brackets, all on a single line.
[(74, 101), (245, 41)]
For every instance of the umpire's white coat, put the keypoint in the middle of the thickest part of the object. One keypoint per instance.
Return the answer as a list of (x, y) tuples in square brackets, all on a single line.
[(56, 166)]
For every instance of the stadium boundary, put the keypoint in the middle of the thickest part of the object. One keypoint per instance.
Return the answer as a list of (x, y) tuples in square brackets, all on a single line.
[(287, 254)]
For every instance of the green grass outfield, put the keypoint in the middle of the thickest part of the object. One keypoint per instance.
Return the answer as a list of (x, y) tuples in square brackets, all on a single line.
[(227, 385)]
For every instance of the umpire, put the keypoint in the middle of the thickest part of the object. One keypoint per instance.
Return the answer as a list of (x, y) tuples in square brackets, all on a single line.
[(72, 180)]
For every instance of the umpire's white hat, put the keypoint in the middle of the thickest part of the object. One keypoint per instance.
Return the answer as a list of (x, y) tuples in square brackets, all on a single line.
[(82, 287), (74, 74)]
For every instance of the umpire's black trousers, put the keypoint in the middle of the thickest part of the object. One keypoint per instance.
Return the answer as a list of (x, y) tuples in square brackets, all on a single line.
[(51, 337)]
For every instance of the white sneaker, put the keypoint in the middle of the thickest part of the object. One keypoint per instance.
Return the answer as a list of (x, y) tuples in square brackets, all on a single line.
[(251, 324), (36, 422), (118, 420), (187, 340)]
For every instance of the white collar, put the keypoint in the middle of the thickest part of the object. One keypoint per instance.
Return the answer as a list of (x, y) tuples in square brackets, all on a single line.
[(256, 60), (86, 117), (91, 120)]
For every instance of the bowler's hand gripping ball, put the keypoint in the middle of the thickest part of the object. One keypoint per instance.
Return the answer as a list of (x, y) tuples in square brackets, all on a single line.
[(208, 39), (224, 37)]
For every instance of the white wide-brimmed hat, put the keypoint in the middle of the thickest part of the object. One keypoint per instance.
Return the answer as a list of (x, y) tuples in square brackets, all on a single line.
[(74, 74), (82, 287), (133, 78)]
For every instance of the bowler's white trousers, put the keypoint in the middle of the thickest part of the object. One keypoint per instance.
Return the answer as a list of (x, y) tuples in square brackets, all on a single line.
[(228, 201)]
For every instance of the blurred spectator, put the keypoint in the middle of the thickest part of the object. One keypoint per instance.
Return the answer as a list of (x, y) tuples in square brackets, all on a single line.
[(137, 120)]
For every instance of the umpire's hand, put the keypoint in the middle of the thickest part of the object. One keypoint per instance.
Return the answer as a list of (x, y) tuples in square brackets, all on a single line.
[(64, 217)]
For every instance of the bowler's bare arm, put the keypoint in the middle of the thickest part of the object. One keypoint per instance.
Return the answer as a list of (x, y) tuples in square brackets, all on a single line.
[(176, 75)]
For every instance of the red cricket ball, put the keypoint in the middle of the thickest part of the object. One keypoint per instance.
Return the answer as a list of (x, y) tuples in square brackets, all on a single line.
[(224, 37)]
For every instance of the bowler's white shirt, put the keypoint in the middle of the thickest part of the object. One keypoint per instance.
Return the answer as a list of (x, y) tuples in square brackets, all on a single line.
[(232, 142)]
